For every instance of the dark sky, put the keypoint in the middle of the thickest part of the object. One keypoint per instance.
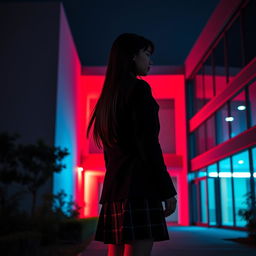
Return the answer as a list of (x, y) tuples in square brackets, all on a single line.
[(173, 26)]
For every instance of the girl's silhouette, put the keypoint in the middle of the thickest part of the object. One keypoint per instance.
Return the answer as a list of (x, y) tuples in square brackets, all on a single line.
[(126, 126)]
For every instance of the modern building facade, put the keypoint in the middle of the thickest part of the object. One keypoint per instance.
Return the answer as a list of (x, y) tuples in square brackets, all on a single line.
[(207, 110), (221, 100)]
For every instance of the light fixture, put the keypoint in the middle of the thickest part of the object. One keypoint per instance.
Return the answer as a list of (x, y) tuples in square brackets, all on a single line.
[(229, 118), (229, 174), (241, 107), (80, 169)]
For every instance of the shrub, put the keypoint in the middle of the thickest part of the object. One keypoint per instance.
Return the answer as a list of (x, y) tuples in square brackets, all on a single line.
[(249, 214)]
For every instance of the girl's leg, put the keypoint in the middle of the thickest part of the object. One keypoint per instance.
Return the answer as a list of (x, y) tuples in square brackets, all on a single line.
[(138, 248), (115, 249)]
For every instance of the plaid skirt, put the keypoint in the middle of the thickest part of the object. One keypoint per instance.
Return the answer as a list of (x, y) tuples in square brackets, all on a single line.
[(127, 220)]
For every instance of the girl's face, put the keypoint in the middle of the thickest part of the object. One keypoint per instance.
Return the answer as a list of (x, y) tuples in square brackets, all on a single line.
[(143, 62)]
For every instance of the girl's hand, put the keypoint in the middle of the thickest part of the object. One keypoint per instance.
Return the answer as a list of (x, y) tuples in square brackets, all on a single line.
[(170, 206)]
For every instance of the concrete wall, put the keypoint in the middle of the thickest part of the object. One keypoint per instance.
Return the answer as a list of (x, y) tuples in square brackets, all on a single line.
[(28, 69), (68, 113), (37, 65)]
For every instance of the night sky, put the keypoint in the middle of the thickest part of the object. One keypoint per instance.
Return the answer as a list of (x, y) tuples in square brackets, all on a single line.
[(173, 26)]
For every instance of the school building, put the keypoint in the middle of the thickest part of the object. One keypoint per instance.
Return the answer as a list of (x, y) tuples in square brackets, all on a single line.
[(207, 108)]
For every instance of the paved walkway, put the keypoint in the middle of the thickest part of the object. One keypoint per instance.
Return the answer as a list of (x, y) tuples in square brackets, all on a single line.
[(191, 240)]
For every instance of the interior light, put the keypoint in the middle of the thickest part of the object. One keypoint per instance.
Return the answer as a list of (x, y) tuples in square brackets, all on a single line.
[(240, 161), (225, 174), (229, 118), (229, 174), (213, 174), (241, 175), (80, 169), (241, 107)]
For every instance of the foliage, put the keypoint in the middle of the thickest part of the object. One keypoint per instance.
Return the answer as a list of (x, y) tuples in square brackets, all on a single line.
[(249, 214), (60, 206), (29, 167), (8, 159), (39, 161)]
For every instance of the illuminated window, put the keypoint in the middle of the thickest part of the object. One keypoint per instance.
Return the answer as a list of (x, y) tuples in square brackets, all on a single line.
[(241, 176), (226, 192), (212, 175), (252, 99), (222, 125), (238, 112)]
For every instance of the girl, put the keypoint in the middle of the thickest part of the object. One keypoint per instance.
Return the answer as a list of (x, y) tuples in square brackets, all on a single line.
[(136, 181)]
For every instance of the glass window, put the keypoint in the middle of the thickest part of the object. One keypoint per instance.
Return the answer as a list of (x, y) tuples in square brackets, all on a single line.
[(238, 120), (208, 79), (249, 21), (203, 202), (191, 176), (252, 100), (201, 173), (234, 49), (222, 123), (194, 201), (199, 91), (241, 176), (190, 87), (226, 192), (211, 132), (219, 67), (212, 175), (254, 167), (212, 171), (200, 139), (192, 145)]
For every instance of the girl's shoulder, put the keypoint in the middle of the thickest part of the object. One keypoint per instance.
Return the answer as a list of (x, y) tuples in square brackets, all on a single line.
[(142, 88), (135, 90)]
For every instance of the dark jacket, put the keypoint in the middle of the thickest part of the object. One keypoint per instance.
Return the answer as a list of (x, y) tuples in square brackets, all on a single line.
[(135, 167)]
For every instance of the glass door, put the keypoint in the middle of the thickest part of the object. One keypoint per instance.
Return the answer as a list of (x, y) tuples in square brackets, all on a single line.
[(200, 187)]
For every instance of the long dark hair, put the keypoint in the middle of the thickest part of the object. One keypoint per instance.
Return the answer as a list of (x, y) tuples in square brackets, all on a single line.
[(120, 65)]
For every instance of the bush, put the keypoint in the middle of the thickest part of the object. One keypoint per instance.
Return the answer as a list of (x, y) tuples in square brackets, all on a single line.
[(249, 214)]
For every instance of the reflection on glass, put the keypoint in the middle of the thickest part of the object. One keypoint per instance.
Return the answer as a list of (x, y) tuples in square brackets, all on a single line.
[(212, 174), (203, 213), (238, 113), (200, 139), (208, 79), (190, 95), (234, 49), (254, 167), (252, 99), (222, 125), (241, 174), (211, 133), (249, 31), (192, 151), (199, 90), (201, 173), (195, 199), (219, 67), (226, 193)]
